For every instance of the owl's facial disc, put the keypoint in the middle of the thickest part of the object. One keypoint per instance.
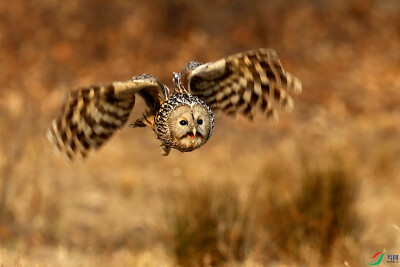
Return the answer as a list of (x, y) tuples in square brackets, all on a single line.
[(189, 126)]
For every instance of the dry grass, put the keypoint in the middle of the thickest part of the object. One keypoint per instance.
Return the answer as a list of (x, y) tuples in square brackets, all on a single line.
[(316, 212), (207, 225), (319, 188)]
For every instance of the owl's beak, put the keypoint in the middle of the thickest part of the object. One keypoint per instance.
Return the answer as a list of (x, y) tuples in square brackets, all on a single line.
[(194, 134)]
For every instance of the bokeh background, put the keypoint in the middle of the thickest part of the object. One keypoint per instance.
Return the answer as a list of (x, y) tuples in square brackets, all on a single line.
[(318, 188)]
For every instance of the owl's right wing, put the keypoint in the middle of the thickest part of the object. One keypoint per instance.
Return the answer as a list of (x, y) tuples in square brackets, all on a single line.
[(90, 115), (244, 82)]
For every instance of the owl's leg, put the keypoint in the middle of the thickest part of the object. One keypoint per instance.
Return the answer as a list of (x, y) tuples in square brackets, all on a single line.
[(165, 150), (146, 120)]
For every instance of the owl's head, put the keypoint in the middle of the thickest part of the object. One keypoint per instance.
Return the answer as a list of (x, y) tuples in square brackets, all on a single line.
[(189, 121)]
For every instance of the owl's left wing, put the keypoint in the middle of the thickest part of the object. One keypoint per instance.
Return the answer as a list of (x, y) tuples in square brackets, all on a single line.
[(91, 115), (243, 82)]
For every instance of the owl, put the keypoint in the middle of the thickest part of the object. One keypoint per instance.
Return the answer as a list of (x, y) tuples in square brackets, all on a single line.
[(182, 119)]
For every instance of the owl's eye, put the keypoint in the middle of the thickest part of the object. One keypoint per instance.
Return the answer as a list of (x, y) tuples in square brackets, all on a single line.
[(199, 121), (183, 122)]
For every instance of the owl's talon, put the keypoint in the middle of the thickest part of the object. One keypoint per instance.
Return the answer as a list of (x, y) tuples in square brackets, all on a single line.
[(165, 150), (137, 124)]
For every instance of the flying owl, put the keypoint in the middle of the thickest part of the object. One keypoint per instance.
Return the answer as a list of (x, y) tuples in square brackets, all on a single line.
[(183, 118)]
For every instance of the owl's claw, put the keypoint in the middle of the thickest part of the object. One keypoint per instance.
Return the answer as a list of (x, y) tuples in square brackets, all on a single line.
[(165, 150), (136, 124)]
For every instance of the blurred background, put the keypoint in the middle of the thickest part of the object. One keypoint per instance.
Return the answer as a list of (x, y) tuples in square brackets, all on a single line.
[(318, 188)]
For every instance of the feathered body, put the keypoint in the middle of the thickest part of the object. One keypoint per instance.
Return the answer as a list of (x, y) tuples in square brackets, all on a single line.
[(182, 119)]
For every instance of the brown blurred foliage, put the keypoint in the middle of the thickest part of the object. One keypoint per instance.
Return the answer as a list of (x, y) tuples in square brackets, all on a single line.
[(258, 193)]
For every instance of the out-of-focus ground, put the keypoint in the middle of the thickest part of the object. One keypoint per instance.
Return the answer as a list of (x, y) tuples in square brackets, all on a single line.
[(318, 188)]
